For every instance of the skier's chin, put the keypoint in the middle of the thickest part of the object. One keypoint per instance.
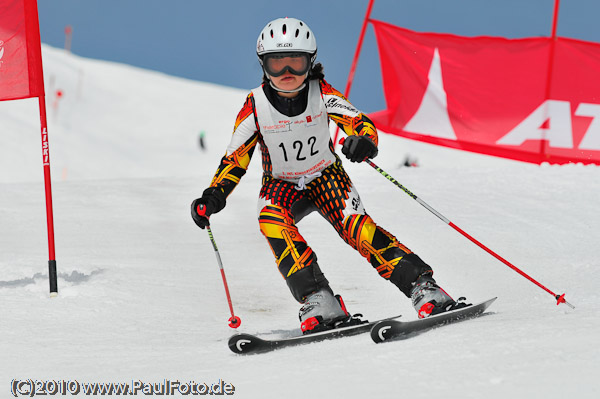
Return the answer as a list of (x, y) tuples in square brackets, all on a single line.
[(288, 83)]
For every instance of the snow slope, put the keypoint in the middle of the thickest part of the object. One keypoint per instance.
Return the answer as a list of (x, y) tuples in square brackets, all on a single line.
[(141, 296)]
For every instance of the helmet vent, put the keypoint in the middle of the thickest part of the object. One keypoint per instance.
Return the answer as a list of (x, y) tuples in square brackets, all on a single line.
[(271, 32), (307, 35), (301, 24), (297, 32), (263, 36), (284, 28)]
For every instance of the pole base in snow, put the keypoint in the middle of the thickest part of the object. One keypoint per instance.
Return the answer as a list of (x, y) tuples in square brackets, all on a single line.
[(53, 278), (561, 299), (234, 322)]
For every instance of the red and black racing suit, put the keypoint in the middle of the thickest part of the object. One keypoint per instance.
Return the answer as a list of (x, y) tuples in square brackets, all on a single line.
[(283, 204)]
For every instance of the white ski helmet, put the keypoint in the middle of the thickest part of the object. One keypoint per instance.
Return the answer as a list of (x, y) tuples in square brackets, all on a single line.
[(286, 35)]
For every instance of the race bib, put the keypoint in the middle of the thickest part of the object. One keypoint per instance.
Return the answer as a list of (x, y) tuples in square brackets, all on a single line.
[(299, 145)]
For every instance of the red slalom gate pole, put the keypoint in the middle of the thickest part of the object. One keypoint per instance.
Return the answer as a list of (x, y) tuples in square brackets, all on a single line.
[(559, 298), (549, 73), (52, 274), (68, 37), (234, 321), (355, 61)]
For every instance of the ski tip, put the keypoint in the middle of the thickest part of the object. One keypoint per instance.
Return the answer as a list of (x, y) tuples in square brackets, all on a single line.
[(380, 331), (242, 343), (486, 304), (392, 330)]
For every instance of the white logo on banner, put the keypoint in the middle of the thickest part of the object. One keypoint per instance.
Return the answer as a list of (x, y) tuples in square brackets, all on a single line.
[(591, 140), (557, 113), (1, 52), (432, 118), (552, 121)]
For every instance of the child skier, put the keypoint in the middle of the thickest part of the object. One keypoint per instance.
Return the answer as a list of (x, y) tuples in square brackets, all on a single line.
[(288, 115)]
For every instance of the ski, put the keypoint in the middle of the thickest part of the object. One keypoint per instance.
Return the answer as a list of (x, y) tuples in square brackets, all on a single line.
[(392, 330), (250, 344)]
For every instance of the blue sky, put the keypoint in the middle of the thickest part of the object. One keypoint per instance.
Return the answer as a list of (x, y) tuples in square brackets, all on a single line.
[(214, 41)]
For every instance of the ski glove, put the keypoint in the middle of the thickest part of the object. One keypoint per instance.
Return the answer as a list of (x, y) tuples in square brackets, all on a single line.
[(213, 200), (359, 148)]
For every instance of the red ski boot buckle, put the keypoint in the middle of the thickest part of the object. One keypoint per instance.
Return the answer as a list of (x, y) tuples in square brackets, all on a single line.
[(309, 324), (426, 310)]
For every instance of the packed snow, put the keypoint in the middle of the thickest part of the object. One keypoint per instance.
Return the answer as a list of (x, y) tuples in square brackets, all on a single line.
[(140, 293)]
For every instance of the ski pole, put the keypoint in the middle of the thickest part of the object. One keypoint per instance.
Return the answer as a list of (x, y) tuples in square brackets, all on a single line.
[(559, 298), (234, 321)]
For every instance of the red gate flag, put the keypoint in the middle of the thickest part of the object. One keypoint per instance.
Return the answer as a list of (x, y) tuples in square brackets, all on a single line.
[(533, 99), (21, 76), (20, 51)]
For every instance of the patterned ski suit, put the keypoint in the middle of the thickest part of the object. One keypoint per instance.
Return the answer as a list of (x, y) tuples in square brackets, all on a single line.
[(303, 174)]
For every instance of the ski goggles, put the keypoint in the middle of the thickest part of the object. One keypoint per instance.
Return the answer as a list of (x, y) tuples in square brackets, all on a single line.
[(277, 64)]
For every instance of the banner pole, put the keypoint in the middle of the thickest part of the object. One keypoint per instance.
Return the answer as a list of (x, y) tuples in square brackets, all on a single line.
[(553, 39), (555, 18), (355, 61), (68, 37), (52, 275)]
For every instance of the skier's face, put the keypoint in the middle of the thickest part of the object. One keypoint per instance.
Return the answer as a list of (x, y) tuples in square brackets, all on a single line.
[(287, 70)]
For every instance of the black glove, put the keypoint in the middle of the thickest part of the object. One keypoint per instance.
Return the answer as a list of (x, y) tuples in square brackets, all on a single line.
[(212, 201), (359, 148)]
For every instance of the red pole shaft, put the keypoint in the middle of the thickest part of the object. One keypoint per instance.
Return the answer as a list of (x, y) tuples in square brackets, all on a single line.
[(52, 275), (355, 61), (234, 321), (68, 37), (363, 30), (500, 258), (227, 292), (555, 18), (560, 298), (553, 38)]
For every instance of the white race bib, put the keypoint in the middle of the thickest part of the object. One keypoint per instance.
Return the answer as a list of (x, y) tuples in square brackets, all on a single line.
[(298, 145)]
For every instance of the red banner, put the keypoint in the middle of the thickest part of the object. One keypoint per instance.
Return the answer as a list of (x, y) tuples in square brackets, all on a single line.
[(20, 52), (534, 99)]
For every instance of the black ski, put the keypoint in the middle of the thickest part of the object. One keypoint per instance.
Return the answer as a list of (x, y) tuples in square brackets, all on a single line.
[(250, 344), (392, 330)]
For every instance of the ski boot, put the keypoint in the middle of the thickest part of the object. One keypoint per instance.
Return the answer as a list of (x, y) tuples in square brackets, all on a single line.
[(429, 299), (323, 311)]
